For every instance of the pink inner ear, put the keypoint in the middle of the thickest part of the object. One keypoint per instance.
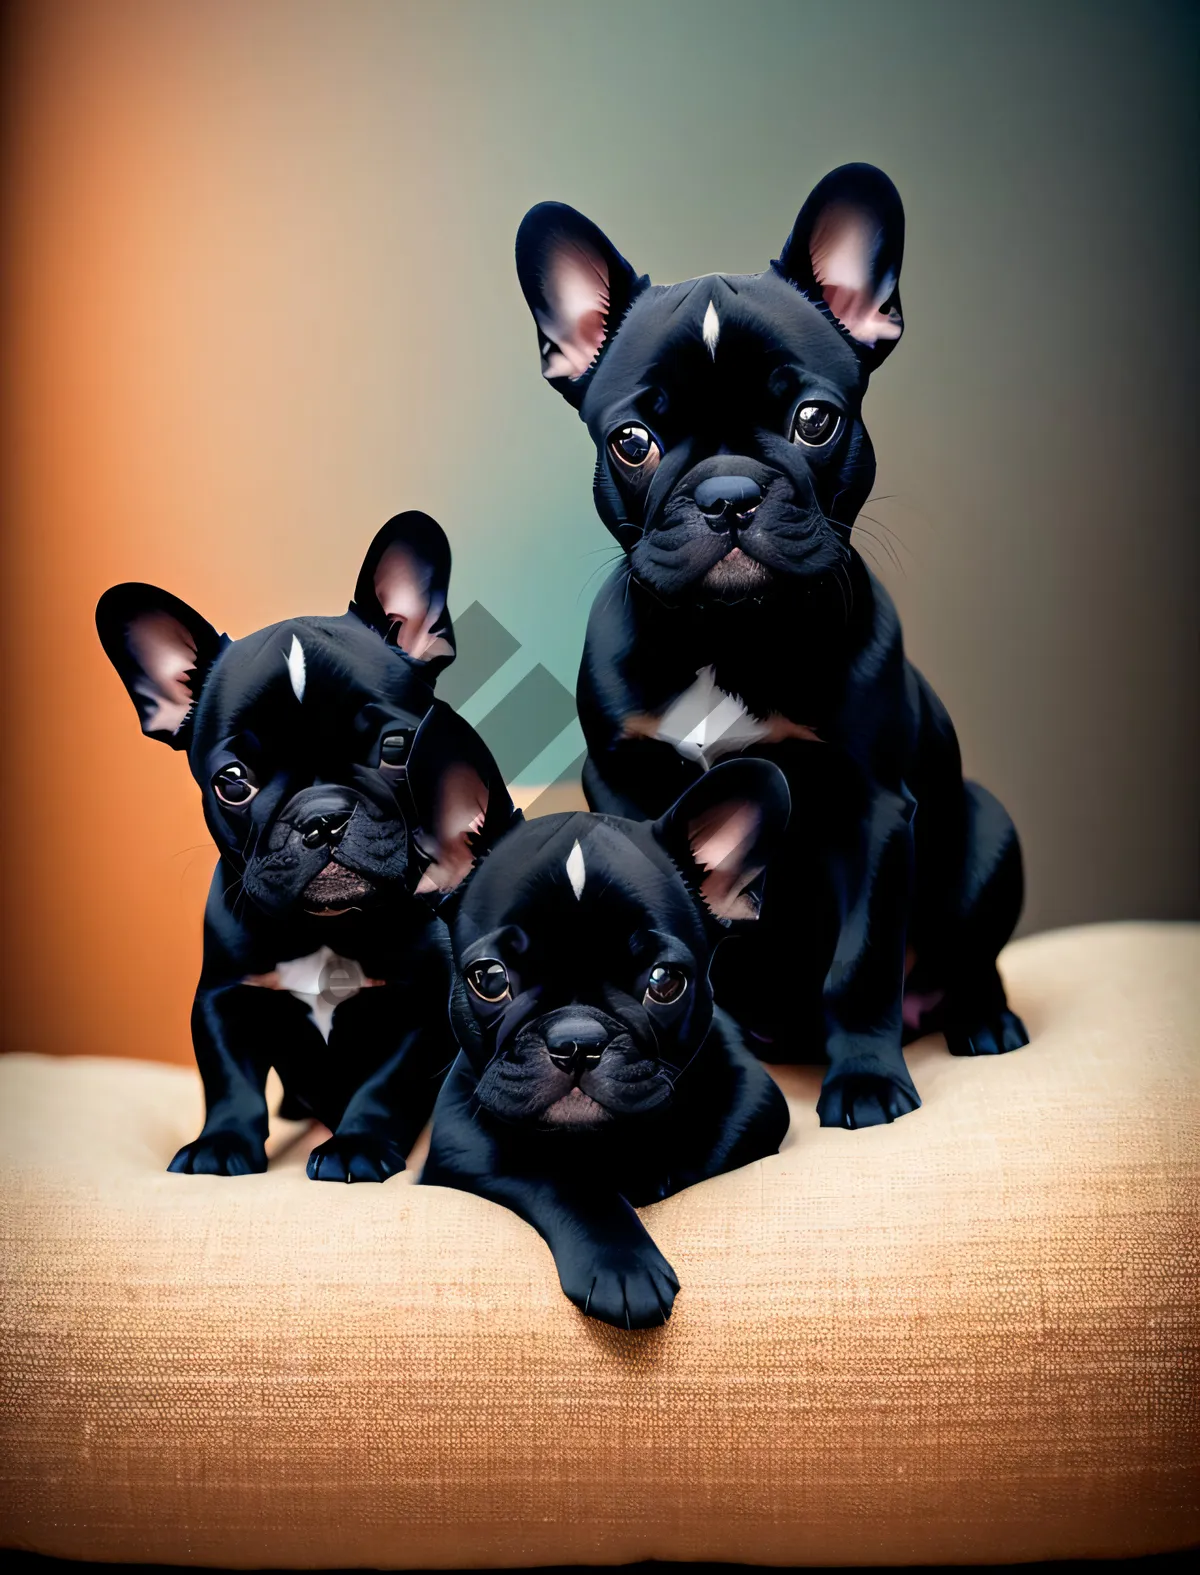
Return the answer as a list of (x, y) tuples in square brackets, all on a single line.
[(722, 840), (403, 585), (461, 809), (575, 285), (166, 653), (843, 247)]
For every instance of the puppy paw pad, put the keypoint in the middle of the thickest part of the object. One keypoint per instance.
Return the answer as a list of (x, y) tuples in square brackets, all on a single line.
[(865, 1099), (630, 1289), (995, 1036), (355, 1159), (220, 1154)]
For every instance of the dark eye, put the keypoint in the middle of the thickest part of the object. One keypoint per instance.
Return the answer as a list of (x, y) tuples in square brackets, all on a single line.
[(665, 984), (489, 980), (634, 447), (394, 749), (815, 425), (235, 785)]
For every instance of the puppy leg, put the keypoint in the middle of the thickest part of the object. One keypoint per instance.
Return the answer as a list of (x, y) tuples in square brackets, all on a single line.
[(969, 889), (387, 1109), (233, 1026), (607, 1263), (976, 1017), (868, 1082)]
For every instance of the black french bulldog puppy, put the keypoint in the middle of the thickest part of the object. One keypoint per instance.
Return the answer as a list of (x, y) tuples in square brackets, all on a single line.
[(732, 461), (594, 1074), (319, 959)]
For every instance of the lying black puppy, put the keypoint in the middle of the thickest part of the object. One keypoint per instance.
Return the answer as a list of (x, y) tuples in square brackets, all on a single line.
[(318, 958), (732, 463), (594, 1074)]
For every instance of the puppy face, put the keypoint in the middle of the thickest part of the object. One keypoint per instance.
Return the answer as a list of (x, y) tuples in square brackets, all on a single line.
[(583, 944), (300, 744), (726, 411), (300, 735)]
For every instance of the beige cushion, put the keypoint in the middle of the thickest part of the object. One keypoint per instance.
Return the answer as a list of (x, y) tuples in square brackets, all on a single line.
[(969, 1336)]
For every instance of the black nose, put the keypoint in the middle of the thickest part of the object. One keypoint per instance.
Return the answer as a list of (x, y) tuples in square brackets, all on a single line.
[(575, 1042), (325, 831), (723, 499)]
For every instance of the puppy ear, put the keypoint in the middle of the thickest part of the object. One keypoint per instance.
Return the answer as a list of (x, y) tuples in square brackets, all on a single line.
[(578, 287), (462, 804), (846, 248), (402, 588), (724, 829), (162, 649)]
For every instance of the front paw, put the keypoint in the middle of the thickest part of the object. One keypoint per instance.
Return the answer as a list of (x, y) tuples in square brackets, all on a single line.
[(865, 1099), (995, 1036), (220, 1154), (632, 1287), (361, 1158)]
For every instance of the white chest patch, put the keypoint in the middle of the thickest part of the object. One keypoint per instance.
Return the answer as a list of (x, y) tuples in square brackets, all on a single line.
[(322, 980), (705, 724)]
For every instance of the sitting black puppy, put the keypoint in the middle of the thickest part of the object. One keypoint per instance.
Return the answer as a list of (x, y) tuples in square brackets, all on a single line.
[(732, 463), (318, 958), (594, 1075)]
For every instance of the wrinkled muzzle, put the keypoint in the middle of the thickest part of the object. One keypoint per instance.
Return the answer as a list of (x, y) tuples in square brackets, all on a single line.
[(329, 850), (577, 1067)]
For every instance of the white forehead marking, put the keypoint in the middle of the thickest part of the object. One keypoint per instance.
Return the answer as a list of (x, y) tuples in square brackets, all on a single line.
[(576, 871), (295, 667), (711, 330)]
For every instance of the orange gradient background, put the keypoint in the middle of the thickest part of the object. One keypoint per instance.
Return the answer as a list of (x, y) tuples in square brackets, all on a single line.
[(259, 296)]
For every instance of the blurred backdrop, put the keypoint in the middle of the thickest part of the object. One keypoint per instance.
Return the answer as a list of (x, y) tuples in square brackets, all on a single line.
[(260, 296)]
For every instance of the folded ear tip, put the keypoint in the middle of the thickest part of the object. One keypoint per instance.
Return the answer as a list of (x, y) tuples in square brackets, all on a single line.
[(541, 211), (125, 591), (542, 219), (782, 798), (416, 534), (121, 603), (410, 522), (550, 215), (868, 179), (414, 515), (545, 226)]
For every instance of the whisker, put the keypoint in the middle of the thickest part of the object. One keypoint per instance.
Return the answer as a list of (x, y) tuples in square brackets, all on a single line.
[(889, 530), (866, 551), (885, 546), (600, 569)]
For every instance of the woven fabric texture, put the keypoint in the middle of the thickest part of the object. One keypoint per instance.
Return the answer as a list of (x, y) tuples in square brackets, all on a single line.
[(972, 1335)]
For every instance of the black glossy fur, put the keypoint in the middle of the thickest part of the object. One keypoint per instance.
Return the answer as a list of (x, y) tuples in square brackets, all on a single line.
[(741, 581), (577, 1095), (320, 862)]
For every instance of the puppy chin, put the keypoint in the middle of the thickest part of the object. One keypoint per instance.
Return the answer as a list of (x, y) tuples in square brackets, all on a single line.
[(334, 891), (575, 1109), (736, 575)]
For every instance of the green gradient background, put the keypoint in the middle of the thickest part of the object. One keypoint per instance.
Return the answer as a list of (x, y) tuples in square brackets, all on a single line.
[(262, 296)]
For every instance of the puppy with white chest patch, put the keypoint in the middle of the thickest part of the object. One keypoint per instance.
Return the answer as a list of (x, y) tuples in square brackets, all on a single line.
[(320, 957), (732, 462), (595, 1075)]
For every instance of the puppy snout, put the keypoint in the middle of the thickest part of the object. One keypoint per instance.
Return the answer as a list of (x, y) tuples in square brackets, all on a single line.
[(324, 831), (726, 500), (575, 1043)]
